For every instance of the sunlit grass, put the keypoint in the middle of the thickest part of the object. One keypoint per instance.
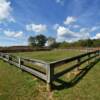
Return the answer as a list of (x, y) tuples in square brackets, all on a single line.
[(49, 56), (18, 85)]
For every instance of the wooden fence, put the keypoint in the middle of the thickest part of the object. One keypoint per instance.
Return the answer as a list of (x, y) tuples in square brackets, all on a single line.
[(44, 70)]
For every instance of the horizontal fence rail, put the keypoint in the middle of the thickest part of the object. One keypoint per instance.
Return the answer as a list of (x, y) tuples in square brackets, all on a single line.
[(47, 74), (78, 58), (19, 62), (66, 60)]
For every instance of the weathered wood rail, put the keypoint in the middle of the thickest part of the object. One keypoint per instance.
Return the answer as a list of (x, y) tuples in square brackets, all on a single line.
[(48, 74), (19, 62)]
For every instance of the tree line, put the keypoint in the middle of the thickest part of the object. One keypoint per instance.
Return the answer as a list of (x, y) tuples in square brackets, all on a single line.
[(42, 41)]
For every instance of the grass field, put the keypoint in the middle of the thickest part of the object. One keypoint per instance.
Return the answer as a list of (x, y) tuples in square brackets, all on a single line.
[(18, 85), (50, 56)]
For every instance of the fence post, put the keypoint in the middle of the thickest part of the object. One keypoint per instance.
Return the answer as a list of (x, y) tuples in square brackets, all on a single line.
[(97, 54), (8, 57), (78, 61), (50, 73), (20, 63), (89, 55), (19, 60), (0, 55)]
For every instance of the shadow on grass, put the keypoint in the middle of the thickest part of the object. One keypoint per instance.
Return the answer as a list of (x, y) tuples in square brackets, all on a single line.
[(76, 79)]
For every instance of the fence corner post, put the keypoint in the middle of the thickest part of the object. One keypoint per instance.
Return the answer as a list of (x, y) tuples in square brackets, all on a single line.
[(50, 73)]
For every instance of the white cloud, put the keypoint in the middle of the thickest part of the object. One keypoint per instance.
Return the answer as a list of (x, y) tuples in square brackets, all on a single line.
[(66, 34), (97, 36), (62, 31), (13, 34), (69, 20), (38, 28), (5, 11), (69, 34)]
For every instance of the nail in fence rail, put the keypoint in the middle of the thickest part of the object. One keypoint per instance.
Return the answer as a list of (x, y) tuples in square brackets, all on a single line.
[(49, 76)]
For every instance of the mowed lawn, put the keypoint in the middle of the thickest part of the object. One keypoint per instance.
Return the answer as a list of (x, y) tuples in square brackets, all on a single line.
[(18, 85)]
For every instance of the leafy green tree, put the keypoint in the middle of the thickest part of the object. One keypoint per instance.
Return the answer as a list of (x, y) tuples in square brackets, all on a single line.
[(40, 40), (96, 42), (31, 41), (64, 45), (89, 43)]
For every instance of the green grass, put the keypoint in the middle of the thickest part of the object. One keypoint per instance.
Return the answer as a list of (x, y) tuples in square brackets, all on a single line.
[(18, 85), (49, 56)]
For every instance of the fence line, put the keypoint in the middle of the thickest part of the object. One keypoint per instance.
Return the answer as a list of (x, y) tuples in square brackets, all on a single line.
[(49, 76), (19, 62), (78, 58)]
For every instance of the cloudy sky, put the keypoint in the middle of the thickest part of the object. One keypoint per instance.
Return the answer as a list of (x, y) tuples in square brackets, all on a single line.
[(66, 20)]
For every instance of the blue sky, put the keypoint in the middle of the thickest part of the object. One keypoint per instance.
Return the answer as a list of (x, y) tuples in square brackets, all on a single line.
[(66, 20)]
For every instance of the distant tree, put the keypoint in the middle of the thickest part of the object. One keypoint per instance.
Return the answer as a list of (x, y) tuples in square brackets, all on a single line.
[(96, 42), (83, 43), (40, 40), (89, 43), (31, 41), (64, 44)]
